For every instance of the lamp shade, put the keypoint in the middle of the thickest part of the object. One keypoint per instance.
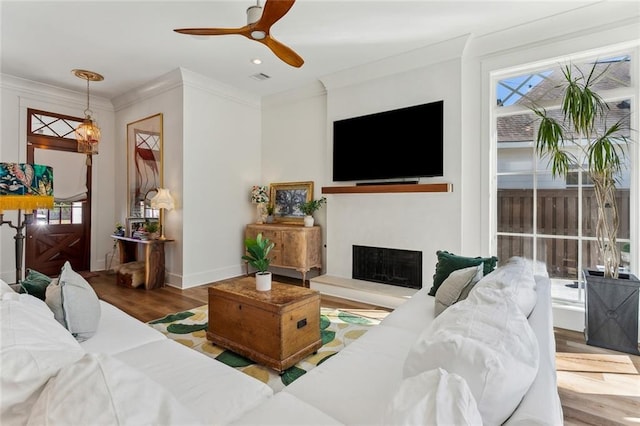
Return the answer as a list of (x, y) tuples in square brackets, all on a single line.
[(259, 194), (162, 200), (25, 186)]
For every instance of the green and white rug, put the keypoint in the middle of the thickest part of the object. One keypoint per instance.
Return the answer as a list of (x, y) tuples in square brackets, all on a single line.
[(338, 328)]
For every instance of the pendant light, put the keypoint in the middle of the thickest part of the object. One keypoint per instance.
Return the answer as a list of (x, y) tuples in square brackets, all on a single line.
[(88, 132)]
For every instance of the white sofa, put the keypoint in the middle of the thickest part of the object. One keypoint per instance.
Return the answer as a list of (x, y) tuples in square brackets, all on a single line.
[(128, 373)]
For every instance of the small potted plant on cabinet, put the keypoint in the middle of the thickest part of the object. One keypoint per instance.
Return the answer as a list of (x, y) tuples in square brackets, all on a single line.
[(270, 210), (309, 208), (257, 256)]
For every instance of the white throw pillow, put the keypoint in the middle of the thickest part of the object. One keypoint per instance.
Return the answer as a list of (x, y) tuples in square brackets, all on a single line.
[(456, 287), (433, 397), (515, 279), (101, 390), (74, 303), (486, 340), (34, 347)]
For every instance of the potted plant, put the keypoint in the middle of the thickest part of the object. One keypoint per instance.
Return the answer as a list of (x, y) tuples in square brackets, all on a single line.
[(257, 255), (119, 230), (309, 207), (152, 228), (581, 137), (270, 210)]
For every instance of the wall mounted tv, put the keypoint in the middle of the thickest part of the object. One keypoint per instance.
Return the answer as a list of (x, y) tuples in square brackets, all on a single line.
[(401, 143)]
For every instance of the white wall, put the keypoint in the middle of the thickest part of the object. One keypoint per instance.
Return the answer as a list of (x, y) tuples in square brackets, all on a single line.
[(16, 95), (293, 145), (221, 161)]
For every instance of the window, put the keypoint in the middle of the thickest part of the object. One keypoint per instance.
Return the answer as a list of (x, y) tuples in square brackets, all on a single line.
[(553, 219)]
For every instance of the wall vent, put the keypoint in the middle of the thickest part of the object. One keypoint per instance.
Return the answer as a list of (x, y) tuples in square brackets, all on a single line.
[(260, 76)]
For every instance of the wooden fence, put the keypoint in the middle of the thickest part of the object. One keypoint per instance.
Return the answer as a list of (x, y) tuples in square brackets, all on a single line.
[(557, 214)]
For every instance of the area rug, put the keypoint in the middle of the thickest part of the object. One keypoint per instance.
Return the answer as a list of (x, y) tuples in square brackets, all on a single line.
[(338, 329)]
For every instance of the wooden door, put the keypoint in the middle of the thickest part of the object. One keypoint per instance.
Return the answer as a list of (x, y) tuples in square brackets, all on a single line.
[(63, 233)]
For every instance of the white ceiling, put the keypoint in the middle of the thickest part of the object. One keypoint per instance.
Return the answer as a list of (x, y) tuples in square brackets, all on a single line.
[(131, 43)]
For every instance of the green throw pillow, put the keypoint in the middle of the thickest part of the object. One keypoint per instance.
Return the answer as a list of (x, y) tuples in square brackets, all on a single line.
[(449, 262), (35, 283)]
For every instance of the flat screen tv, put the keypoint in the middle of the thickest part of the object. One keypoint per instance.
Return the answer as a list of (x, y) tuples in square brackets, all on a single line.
[(401, 143)]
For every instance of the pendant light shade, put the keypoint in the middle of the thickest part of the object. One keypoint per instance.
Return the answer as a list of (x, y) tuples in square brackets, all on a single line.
[(88, 132)]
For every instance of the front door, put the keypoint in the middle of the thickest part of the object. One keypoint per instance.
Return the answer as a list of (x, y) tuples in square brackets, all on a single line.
[(62, 233)]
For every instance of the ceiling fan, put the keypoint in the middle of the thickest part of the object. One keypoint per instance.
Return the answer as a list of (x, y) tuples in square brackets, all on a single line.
[(259, 23)]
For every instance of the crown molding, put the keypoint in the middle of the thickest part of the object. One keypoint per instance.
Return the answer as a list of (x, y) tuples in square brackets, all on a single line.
[(30, 88), (418, 58)]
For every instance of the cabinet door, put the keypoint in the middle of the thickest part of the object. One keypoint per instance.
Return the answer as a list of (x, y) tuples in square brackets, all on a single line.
[(294, 249)]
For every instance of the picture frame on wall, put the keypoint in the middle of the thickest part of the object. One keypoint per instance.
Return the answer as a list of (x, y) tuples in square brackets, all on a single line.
[(286, 198), (144, 163)]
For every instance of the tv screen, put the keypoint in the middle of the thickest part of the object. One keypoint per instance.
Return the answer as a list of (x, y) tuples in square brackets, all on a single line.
[(401, 143)]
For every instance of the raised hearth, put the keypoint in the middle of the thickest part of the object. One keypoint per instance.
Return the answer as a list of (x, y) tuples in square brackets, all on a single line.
[(388, 296)]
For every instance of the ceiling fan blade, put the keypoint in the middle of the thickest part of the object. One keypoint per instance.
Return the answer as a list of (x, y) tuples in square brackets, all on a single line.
[(283, 52), (272, 11), (213, 31)]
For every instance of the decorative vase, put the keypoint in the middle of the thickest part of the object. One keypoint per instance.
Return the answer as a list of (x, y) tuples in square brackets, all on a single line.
[(270, 218), (308, 221), (263, 281), (259, 213)]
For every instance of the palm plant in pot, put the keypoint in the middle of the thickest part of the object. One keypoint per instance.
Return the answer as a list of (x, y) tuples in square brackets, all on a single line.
[(310, 207), (579, 137), (257, 255)]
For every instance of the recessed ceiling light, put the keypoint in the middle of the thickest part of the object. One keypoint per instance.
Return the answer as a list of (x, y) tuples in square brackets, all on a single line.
[(256, 61)]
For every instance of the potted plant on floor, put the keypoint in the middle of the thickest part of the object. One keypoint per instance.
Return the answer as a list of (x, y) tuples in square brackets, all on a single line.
[(257, 256), (581, 138), (309, 208)]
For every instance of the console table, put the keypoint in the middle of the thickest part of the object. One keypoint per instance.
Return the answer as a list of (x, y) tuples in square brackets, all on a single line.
[(153, 258), (295, 246)]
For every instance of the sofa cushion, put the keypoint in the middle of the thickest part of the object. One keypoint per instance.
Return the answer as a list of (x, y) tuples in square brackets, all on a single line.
[(118, 393), (486, 340), (456, 287), (74, 303), (449, 262), (34, 347), (515, 279), (210, 389), (433, 397), (5, 288), (35, 283)]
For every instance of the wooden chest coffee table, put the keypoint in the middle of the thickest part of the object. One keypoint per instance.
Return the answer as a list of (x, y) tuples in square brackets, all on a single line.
[(275, 328)]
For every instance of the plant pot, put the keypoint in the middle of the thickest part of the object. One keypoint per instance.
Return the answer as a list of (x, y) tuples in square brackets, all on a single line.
[(270, 218), (308, 221), (263, 281), (611, 311)]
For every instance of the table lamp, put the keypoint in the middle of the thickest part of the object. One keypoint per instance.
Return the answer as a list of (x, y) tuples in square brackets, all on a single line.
[(162, 201), (259, 197), (25, 187)]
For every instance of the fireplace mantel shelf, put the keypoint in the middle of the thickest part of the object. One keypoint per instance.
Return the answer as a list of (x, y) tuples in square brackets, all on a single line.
[(394, 188)]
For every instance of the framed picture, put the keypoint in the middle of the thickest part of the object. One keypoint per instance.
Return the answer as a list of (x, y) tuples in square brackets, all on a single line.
[(144, 163), (286, 198)]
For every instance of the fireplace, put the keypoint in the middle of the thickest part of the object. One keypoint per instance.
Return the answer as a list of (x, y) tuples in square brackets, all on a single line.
[(388, 266)]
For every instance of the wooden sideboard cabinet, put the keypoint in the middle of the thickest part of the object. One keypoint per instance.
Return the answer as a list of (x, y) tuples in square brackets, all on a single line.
[(295, 246)]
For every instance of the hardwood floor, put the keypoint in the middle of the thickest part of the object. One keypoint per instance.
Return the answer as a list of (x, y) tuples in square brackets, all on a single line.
[(596, 386)]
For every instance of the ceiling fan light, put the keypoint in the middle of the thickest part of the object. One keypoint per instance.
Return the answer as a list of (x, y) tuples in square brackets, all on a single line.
[(258, 35)]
